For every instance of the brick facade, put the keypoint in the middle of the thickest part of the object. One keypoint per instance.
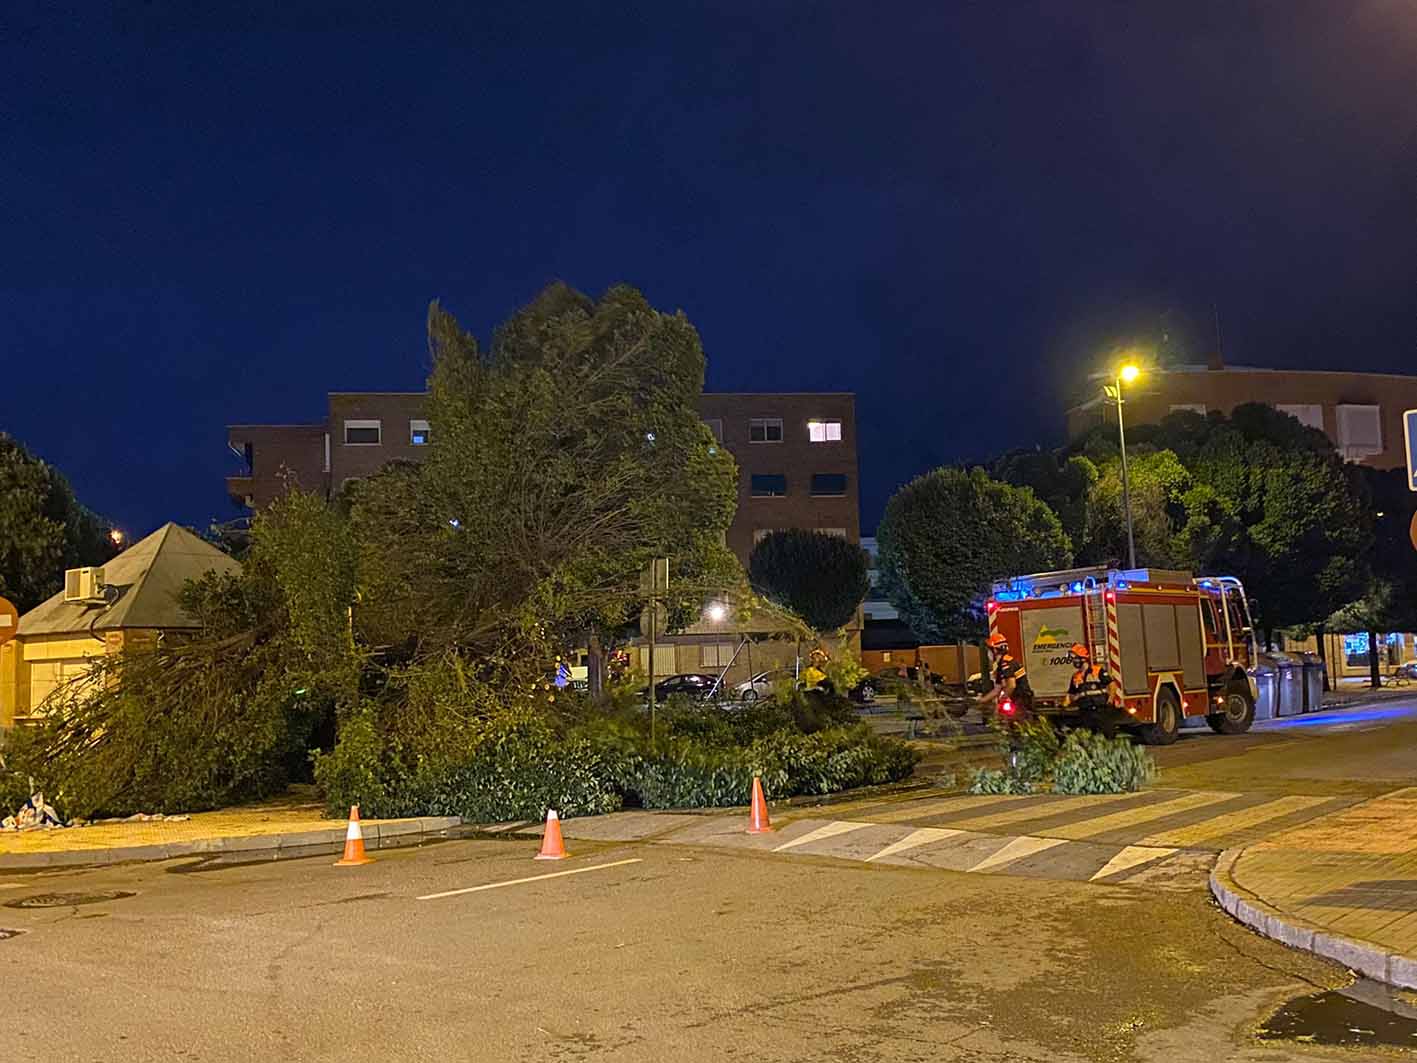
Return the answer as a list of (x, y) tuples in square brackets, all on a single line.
[(1337, 402), (818, 479)]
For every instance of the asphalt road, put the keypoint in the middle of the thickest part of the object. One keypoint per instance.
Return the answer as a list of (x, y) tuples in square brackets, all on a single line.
[(688, 952)]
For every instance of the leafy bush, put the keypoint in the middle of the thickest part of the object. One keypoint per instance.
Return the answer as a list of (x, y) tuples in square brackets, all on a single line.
[(993, 781), (1090, 763), (519, 770)]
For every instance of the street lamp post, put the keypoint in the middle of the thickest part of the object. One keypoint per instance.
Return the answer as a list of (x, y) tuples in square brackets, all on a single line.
[(1126, 374)]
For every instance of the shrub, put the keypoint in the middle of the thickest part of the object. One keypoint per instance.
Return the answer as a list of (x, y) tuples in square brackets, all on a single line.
[(992, 781), (1090, 763)]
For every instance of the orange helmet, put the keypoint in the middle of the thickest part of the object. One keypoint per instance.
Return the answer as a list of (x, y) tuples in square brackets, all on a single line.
[(1079, 650), (996, 640)]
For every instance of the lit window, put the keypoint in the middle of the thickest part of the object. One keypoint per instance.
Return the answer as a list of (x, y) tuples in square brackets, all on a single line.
[(1309, 414), (1360, 431), (840, 533), (363, 433), (824, 431), (717, 654), (418, 433), (765, 430), (768, 485), (828, 484), (715, 425)]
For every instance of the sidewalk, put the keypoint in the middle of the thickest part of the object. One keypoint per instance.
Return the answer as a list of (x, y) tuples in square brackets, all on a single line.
[(1343, 886), (264, 828)]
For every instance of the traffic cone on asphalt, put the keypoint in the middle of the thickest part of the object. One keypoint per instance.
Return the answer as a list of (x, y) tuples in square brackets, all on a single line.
[(552, 847), (758, 818), (353, 842)]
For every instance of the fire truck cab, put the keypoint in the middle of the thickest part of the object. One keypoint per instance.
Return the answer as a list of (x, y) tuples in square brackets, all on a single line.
[(1176, 645)]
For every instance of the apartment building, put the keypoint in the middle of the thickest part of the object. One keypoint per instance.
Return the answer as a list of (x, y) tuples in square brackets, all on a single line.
[(1360, 412), (796, 455)]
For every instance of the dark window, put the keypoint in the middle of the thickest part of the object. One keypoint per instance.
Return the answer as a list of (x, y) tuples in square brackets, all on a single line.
[(769, 485), (828, 483), (765, 430)]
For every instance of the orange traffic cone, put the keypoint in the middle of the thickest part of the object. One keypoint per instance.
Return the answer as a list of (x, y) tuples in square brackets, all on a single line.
[(552, 847), (758, 818), (353, 842)]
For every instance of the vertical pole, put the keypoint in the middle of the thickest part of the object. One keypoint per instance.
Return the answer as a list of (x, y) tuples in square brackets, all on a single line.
[(653, 611), (1126, 485)]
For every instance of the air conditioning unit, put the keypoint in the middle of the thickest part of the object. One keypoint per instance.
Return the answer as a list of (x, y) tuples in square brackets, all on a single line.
[(84, 585)]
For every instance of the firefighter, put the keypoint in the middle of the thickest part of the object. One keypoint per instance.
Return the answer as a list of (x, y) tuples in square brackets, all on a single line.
[(1091, 690), (1010, 681)]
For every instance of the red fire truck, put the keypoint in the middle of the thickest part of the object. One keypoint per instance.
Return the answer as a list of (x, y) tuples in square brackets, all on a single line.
[(1176, 645)]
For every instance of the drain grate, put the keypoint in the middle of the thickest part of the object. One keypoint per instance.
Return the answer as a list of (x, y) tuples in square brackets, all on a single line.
[(66, 900), (6, 934)]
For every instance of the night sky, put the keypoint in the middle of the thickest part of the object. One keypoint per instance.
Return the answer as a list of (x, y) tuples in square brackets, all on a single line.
[(948, 208)]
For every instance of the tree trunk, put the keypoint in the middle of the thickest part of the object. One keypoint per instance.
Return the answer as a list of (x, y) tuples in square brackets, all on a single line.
[(1375, 677), (595, 666), (1321, 637)]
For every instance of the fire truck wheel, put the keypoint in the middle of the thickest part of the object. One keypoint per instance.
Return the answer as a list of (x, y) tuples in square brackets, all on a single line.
[(1168, 720), (1239, 713)]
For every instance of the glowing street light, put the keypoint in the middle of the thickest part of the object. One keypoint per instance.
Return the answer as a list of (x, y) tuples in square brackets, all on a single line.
[(716, 612), (116, 535), (1126, 373)]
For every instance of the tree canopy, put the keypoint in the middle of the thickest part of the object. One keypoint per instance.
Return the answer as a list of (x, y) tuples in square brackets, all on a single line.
[(947, 535), (43, 528), (820, 577), (563, 459)]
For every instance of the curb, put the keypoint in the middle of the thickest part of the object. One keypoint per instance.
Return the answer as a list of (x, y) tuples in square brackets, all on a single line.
[(374, 833), (1246, 907)]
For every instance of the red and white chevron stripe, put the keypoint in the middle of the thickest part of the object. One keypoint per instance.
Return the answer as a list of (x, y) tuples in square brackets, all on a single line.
[(1114, 645)]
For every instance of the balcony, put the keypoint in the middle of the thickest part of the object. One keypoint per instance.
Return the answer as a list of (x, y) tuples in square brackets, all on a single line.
[(241, 489)]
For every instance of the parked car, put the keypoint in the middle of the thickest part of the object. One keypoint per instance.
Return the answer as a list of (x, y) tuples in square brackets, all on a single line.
[(760, 685), (689, 684)]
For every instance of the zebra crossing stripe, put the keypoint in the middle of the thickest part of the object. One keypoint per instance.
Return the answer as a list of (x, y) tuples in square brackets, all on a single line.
[(830, 830), (1059, 804), (1230, 822), (1016, 850), (916, 838), (947, 806), (1130, 857), (1091, 827)]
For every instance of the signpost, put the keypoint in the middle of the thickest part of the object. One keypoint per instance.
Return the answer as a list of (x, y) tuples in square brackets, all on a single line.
[(1409, 435), (9, 621)]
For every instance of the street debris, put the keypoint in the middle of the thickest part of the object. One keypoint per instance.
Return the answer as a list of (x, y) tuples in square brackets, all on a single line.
[(34, 814)]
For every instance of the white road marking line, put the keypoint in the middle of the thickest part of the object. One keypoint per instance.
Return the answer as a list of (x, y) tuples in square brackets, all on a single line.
[(831, 830), (1129, 858), (916, 838), (532, 878), (1058, 805), (1016, 850), (947, 806), (10, 885)]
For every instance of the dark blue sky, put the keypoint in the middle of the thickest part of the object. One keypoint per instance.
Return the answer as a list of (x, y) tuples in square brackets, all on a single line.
[(948, 208)]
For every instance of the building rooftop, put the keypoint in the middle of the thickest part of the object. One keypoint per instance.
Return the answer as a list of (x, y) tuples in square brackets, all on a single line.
[(145, 579)]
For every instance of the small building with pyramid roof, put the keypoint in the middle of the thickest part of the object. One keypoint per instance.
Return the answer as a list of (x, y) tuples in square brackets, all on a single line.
[(128, 604)]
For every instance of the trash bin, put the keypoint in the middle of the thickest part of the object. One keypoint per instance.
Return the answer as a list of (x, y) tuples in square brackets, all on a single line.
[(1266, 677), (1313, 683), (1291, 685)]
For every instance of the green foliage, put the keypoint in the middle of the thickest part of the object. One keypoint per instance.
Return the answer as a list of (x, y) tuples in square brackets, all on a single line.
[(43, 528), (844, 671), (822, 578), (564, 458), (947, 535), (218, 717), (1079, 762), (1091, 763)]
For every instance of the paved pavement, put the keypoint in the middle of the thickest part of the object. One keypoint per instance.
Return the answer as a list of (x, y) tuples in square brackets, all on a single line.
[(462, 950)]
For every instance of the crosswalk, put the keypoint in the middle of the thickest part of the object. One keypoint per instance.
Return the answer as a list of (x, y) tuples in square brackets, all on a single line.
[(1180, 819)]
